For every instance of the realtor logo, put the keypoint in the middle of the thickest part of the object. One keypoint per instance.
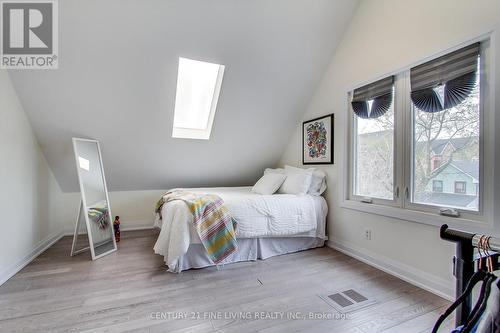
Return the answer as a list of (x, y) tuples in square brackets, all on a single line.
[(29, 34)]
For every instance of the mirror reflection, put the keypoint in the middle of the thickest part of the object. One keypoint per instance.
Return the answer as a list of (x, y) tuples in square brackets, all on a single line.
[(94, 197)]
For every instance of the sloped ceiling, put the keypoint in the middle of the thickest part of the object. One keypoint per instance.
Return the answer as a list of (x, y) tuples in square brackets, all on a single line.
[(117, 76)]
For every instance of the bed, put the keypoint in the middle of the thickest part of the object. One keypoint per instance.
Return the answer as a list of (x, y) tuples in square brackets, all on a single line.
[(268, 225)]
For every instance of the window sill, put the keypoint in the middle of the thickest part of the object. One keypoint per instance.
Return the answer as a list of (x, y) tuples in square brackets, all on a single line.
[(419, 216)]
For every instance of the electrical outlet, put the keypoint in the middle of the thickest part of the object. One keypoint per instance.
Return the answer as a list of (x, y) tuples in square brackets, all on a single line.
[(368, 234)]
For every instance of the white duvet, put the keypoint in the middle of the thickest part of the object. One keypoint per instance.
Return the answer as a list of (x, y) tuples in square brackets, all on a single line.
[(277, 215)]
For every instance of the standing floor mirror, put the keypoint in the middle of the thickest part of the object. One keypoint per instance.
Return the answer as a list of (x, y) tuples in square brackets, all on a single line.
[(94, 215)]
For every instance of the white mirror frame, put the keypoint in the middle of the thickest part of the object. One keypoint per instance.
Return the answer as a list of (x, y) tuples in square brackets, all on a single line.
[(83, 207)]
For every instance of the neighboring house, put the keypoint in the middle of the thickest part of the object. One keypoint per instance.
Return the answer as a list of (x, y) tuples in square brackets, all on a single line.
[(459, 177), (443, 149), (454, 182), (454, 179)]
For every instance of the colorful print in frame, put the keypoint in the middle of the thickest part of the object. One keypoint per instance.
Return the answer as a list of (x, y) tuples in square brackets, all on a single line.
[(317, 140)]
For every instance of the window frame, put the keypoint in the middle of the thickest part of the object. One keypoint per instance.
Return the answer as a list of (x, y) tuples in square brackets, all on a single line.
[(352, 152), (402, 207)]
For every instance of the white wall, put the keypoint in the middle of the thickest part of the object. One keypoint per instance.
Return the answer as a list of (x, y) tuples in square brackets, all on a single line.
[(384, 36), (29, 195)]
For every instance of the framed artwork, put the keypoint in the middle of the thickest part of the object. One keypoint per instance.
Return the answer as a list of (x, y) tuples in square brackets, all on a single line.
[(317, 140)]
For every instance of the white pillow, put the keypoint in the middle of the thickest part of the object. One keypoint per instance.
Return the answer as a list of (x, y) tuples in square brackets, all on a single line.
[(278, 170), (297, 181), (269, 183), (318, 183), (318, 179)]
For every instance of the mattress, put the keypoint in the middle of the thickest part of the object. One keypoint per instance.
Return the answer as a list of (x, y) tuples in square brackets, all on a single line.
[(258, 216)]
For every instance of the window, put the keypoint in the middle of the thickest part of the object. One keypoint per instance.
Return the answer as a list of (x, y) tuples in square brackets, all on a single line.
[(415, 137), (437, 186), (436, 162), (445, 109), (198, 88), (460, 187), (374, 140)]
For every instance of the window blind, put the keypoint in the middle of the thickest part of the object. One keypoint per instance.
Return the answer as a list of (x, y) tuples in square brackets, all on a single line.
[(445, 82), (374, 99)]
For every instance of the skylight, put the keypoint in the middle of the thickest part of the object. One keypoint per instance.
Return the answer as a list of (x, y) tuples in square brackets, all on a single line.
[(198, 88)]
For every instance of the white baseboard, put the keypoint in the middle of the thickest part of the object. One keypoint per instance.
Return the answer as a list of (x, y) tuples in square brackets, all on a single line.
[(419, 278), (39, 248), (124, 226), (136, 225)]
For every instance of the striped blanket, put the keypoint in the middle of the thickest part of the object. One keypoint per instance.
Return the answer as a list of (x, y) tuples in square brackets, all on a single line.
[(99, 214), (212, 220)]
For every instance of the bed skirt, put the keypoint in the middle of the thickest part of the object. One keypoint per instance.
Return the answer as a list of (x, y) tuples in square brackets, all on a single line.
[(249, 249)]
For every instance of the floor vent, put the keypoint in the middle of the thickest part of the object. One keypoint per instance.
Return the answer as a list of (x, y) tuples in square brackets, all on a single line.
[(347, 301)]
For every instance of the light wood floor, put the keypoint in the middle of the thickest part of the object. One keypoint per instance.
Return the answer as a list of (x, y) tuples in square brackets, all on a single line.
[(123, 291)]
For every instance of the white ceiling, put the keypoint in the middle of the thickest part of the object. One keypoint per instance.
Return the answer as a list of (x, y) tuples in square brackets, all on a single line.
[(117, 75)]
